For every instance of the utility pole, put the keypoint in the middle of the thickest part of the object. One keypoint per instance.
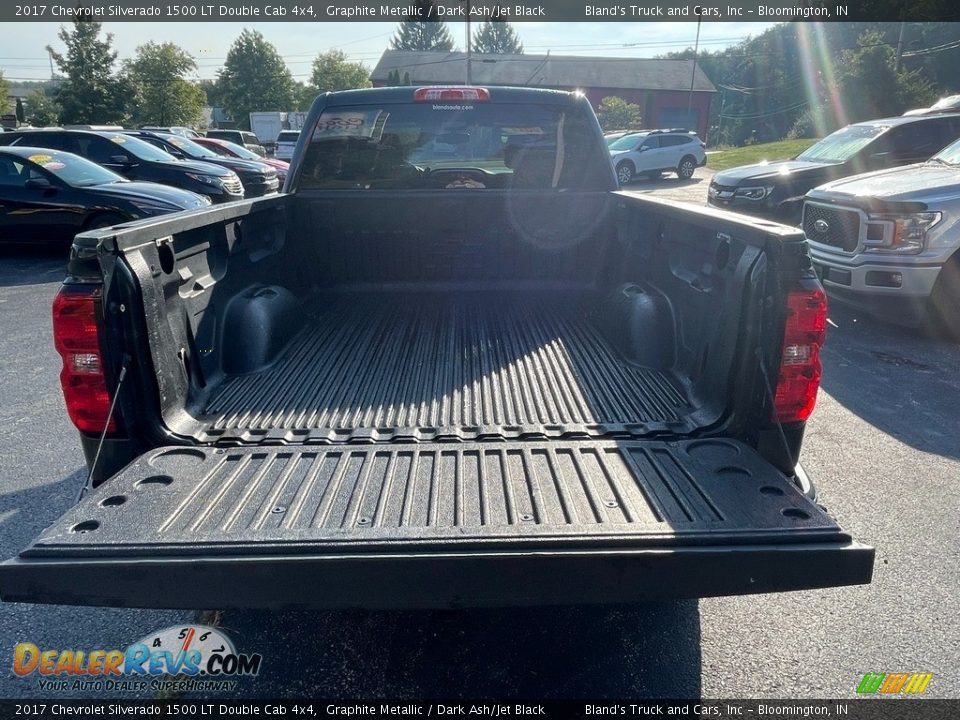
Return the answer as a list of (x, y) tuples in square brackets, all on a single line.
[(469, 43), (693, 75), (903, 25)]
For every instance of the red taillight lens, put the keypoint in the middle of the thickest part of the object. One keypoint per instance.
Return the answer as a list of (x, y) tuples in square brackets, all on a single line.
[(800, 368), (451, 94), (76, 337)]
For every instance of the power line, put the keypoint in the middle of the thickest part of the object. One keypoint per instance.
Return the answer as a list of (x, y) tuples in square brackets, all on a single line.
[(760, 116)]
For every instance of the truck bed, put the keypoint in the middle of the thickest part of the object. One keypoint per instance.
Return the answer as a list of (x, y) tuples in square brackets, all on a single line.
[(382, 366)]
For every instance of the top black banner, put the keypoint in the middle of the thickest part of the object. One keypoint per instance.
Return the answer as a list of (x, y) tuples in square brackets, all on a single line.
[(246, 11)]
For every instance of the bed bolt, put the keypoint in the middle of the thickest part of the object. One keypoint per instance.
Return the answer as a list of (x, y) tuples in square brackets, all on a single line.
[(611, 503), (278, 509), (363, 521)]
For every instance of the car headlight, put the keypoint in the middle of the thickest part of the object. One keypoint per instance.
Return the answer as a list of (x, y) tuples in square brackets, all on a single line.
[(206, 179), (904, 234), (753, 193)]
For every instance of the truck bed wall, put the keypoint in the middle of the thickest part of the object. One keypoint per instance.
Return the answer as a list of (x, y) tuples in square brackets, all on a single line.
[(666, 289)]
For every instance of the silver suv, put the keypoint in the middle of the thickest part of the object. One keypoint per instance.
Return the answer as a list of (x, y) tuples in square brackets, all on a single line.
[(653, 152), (889, 241)]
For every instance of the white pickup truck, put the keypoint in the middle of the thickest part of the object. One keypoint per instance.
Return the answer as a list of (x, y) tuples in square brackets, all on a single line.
[(889, 241)]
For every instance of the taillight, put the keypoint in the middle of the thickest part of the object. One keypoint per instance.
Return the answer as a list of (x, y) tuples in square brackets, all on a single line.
[(800, 368), (76, 337), (451, 94)]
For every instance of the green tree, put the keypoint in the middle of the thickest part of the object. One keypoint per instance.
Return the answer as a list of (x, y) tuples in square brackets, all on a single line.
[(414, 34), (4, 93), (211, 89), (496, 37), (332, 71), (163, 95), (90, 92), (872, 87), (42, 111), (394, 79), (304, 95), (254, 78), (615, 113)]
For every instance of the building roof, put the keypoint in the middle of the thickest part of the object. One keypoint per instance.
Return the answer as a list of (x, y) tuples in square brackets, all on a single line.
[(550, 71)]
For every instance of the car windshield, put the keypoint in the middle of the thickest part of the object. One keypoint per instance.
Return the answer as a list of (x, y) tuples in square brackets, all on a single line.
[(466, 146), (843, 144), (140, 149), (231, 148), (191, 149), (949, 155), (71, 169), (627, 142), (290, 137)]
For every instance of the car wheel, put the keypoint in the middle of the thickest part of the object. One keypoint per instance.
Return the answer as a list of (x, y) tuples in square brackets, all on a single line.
[(945, 299), (105, 220), (625, 172), (686, 167)]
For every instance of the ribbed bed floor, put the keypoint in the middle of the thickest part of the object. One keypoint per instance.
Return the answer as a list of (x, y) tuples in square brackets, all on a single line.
[(401, 367)]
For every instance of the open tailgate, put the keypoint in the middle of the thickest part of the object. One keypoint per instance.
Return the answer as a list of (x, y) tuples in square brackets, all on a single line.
[(436, 525)]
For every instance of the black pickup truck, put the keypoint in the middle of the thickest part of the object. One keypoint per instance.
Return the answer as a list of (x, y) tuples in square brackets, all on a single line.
[(452, 365)]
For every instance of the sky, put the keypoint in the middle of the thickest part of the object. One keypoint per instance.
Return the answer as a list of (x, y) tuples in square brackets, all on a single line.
[(23, 55)]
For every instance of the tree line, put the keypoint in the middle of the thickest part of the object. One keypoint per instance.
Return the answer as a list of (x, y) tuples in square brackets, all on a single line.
[(155, 86), (807, 79)]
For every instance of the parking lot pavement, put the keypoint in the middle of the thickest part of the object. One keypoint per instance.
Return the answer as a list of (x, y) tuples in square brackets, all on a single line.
[(670, 186), (882, 447), (41, 470)]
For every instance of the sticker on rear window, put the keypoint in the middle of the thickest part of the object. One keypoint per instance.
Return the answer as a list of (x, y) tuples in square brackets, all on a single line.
[(119, 139), (54, 165), (353, 123), (40, 159)]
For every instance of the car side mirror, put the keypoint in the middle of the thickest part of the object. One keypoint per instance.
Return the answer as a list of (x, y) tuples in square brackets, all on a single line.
[(38, 184), (642, 148), (121, 160)]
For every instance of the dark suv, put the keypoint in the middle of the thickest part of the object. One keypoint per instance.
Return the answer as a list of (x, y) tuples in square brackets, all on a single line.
[(258, 178), (775, 190), (136, 160)]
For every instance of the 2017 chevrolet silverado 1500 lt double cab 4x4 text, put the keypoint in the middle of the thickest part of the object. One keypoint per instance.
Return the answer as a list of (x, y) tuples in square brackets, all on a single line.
[(451, 365)]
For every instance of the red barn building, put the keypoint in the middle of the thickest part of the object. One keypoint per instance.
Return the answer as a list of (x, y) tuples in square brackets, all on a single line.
[(662, 88)]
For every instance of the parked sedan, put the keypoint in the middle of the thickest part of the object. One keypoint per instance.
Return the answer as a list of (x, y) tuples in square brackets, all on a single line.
[(136, 160), (257, 177), (229, 149), (48, 196)]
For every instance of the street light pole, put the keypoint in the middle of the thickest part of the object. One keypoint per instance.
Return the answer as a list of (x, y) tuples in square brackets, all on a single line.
[(469, 43)]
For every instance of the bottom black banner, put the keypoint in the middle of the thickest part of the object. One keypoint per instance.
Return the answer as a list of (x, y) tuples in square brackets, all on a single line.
[(859, 709)]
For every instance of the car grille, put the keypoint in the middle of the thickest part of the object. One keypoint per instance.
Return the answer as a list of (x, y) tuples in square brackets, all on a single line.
[(233, 186), (832, 226), (720, 192)]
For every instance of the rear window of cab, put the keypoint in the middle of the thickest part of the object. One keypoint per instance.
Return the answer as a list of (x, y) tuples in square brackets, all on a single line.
[(466, 146)]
